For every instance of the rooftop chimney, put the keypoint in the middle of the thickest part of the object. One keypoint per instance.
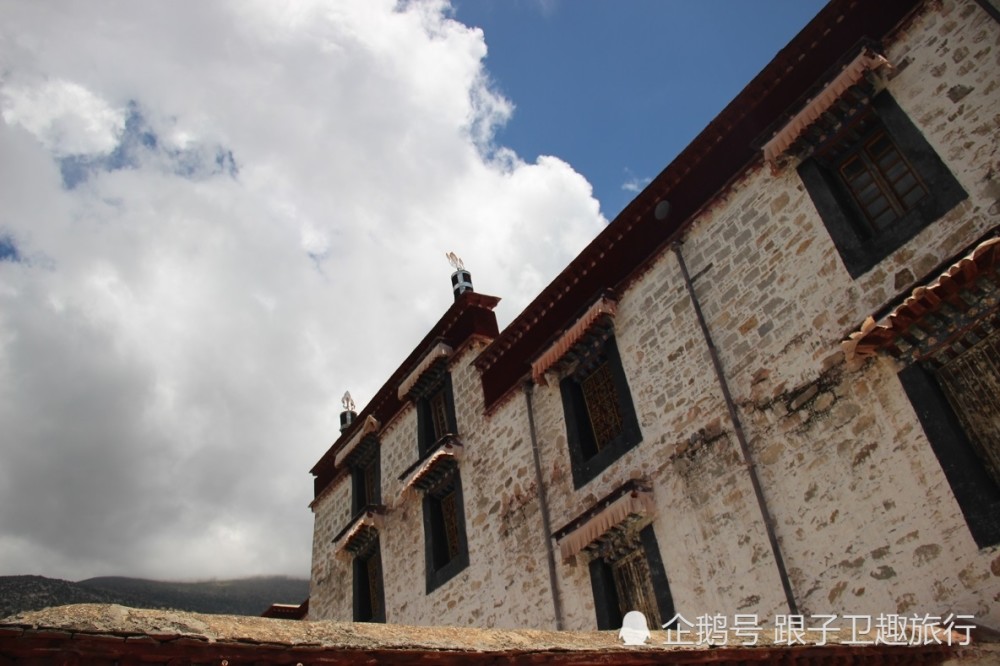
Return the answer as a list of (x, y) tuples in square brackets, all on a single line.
[(348, 415), (461, 279)]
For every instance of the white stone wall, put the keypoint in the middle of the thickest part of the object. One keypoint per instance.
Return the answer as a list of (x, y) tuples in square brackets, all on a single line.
[(506, 582), (330, 583), (866, 521)]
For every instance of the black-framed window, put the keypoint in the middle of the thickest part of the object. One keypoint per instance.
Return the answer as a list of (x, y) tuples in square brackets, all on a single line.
[(601, 424), (445, 545), (366, 478), (369, 593), (963, 433), (435, 414), (627, 574), (877, 183)]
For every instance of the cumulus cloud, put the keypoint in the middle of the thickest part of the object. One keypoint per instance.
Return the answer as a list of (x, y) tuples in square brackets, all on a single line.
[(216, 219)]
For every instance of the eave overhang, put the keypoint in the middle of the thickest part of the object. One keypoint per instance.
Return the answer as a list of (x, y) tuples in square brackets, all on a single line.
[(437, 464), (363, 529), (426, 371), (821, 104), (937, 314), (601, 312), (366, 433), (628, 503)]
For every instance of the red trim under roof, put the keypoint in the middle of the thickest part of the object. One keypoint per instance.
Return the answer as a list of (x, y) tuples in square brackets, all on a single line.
[(471, 315), (719, 154)]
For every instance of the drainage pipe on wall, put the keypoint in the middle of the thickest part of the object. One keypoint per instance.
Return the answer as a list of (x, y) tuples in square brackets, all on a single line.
[(740, 436), (543, 506)]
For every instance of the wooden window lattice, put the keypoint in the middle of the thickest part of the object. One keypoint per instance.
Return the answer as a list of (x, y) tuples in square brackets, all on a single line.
[(371, 494), (439, 414), (374, 568), (630, 572), (971, 382), (871, 166), (449, 513), (603, 410)]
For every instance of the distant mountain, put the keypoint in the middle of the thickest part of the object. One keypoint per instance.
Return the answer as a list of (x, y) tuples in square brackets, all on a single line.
[(245, 596)]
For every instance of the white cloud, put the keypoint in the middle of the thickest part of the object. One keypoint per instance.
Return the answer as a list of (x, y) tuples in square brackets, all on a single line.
[(262, 198), (64, 116)]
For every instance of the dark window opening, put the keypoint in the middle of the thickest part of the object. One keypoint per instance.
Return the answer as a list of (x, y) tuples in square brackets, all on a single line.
[(601, 424), (435, 415), (877, 183), (366, 480), (971, 382), (957, 400), (369, 595), (446, 548), (627, 574)]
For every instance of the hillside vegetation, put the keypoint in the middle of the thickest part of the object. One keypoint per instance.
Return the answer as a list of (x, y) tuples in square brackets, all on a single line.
[(245, 596)]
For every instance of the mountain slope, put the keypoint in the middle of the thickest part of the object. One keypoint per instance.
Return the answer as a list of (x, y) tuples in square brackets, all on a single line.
[(248, 596)]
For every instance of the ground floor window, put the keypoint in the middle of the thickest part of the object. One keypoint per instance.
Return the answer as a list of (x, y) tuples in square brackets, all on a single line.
[(369, 595), (956, 394), (627, 574), (971, 382)]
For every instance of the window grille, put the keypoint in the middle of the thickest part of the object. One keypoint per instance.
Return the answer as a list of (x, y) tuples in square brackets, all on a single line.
[(971, 382), (603, 410)]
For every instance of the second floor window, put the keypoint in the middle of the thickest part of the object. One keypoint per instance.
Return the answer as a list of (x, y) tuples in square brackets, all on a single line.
[(435, 414), (444, 530), (601, 424), (882, 183), (365, 478), (876, 183)]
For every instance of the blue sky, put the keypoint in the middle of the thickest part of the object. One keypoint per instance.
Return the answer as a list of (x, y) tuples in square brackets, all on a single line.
[(218, 217), (617, 89)]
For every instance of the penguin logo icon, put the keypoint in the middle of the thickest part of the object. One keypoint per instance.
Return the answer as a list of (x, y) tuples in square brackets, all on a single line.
[(634, 629)]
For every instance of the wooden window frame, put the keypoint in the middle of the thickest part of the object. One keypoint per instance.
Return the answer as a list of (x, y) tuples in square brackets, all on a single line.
[(607, 605), (587, 457), (860, 246), (366, 482), (435, 410), (445, 556), (880, 180)]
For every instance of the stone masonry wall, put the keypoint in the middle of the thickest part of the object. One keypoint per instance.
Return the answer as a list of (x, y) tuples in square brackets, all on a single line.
[(867, 521), (506, 582), (330, 581)]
